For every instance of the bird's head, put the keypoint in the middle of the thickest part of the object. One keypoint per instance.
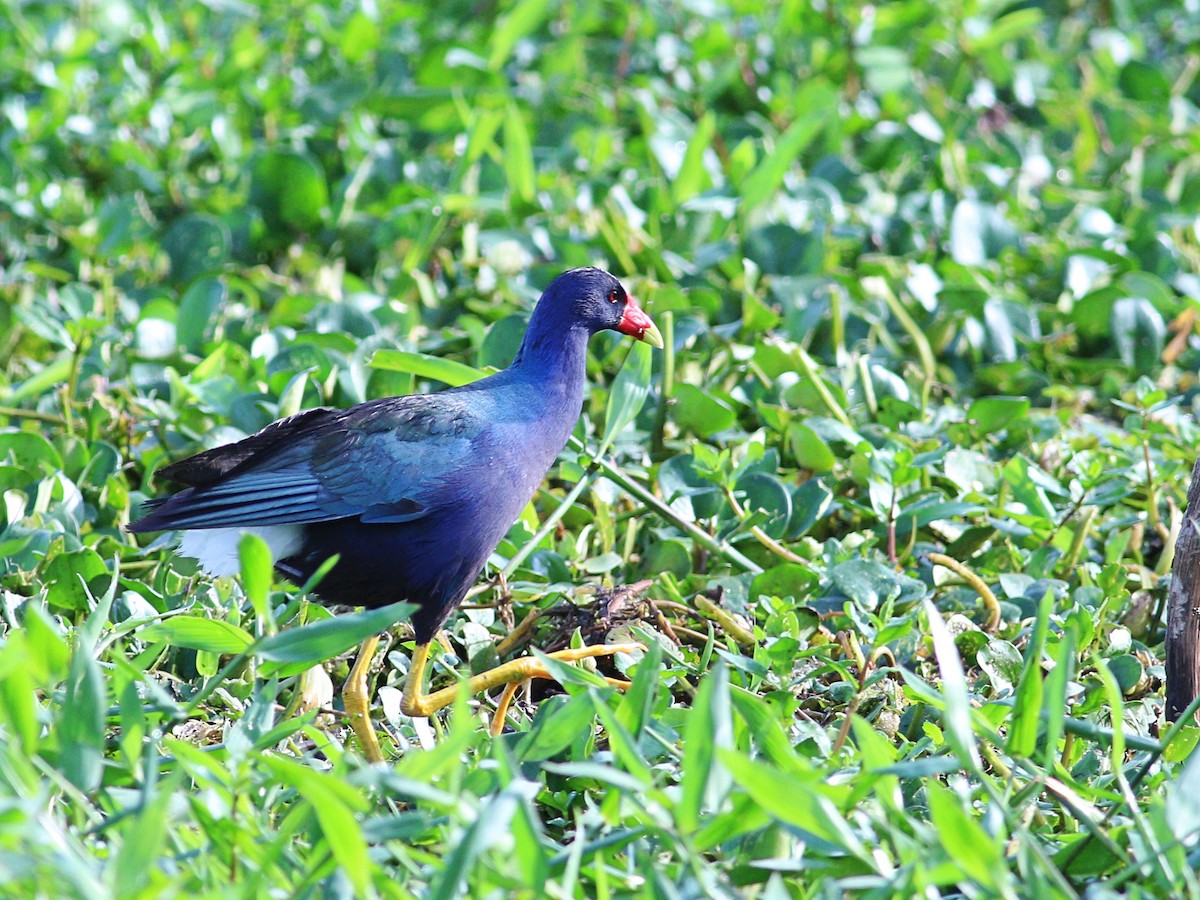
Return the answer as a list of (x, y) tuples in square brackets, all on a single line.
[(596, 300)]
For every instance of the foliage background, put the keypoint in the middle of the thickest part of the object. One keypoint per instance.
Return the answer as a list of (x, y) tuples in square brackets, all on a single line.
[(928, 275)]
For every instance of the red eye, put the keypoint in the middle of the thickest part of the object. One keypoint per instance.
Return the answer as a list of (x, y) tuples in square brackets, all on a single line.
[(612, 296)]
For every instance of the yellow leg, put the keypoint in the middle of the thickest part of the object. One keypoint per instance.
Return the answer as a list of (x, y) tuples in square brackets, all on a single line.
[(497, 727), (523, 630), (355, 699), (415, 703)]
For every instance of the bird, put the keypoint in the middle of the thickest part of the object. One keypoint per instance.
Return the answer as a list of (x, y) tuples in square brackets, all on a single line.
[(411, 493)]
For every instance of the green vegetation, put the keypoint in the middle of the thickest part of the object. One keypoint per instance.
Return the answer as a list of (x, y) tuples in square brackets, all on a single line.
[(907, 480)]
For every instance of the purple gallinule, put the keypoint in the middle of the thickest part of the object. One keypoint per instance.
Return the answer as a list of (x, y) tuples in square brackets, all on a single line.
[(412, 493)]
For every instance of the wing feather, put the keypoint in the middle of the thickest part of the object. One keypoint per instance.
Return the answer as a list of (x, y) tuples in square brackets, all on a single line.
[(387, 461)]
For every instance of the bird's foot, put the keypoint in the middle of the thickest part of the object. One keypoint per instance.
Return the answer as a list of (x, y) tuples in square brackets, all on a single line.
[(509, 674), (356, 701)]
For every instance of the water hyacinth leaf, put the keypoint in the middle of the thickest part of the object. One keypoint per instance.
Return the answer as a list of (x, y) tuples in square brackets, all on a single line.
[(29, 451), (687, 490), (992, 414), (289, 189), (809, 449), (785, 580), (669, 556), (766, 495), (810, 502), (865, 581), (1138, 331), (979, 232), (1002, 663), (1128, 670), (1143, 82), (699, 411), (67, 574), (196, 245)]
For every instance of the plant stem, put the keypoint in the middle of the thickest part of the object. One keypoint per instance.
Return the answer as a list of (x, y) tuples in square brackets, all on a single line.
[(990, 603)]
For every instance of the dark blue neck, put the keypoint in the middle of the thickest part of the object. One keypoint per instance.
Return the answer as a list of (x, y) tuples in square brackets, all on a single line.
[(553, 356), (553, 350)]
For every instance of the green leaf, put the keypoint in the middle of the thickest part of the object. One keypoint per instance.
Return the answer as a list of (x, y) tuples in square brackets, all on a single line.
[(525, 17), (785, 580), (709, 728), (425, 366), (699, 411), (257, 571), (66, 575), (1138, 331), (199, 305), (992, 414), (809, 449), (559, 722), (336, 806), (692, 177), (968, 845), (628, 395), (819, 102), (198, 633), (518, 155), (196, 245), (327, 638), (1027, 704), (143, 837), (766, 495), (777, 792), (1128, 670), (289, 188), (957, 719)]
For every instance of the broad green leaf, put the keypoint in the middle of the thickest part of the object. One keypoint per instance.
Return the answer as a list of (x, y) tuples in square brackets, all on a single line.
[(968, 845), (701, 412), (628, 394), (336, 807), (777, 792), (198, 633), (709, 728), (1027, 705), (425, 366), (957, 719), (289, 188), (327, 638), (819, 107), (66, 575), (518, 155), (257, 571), (992, 414)]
